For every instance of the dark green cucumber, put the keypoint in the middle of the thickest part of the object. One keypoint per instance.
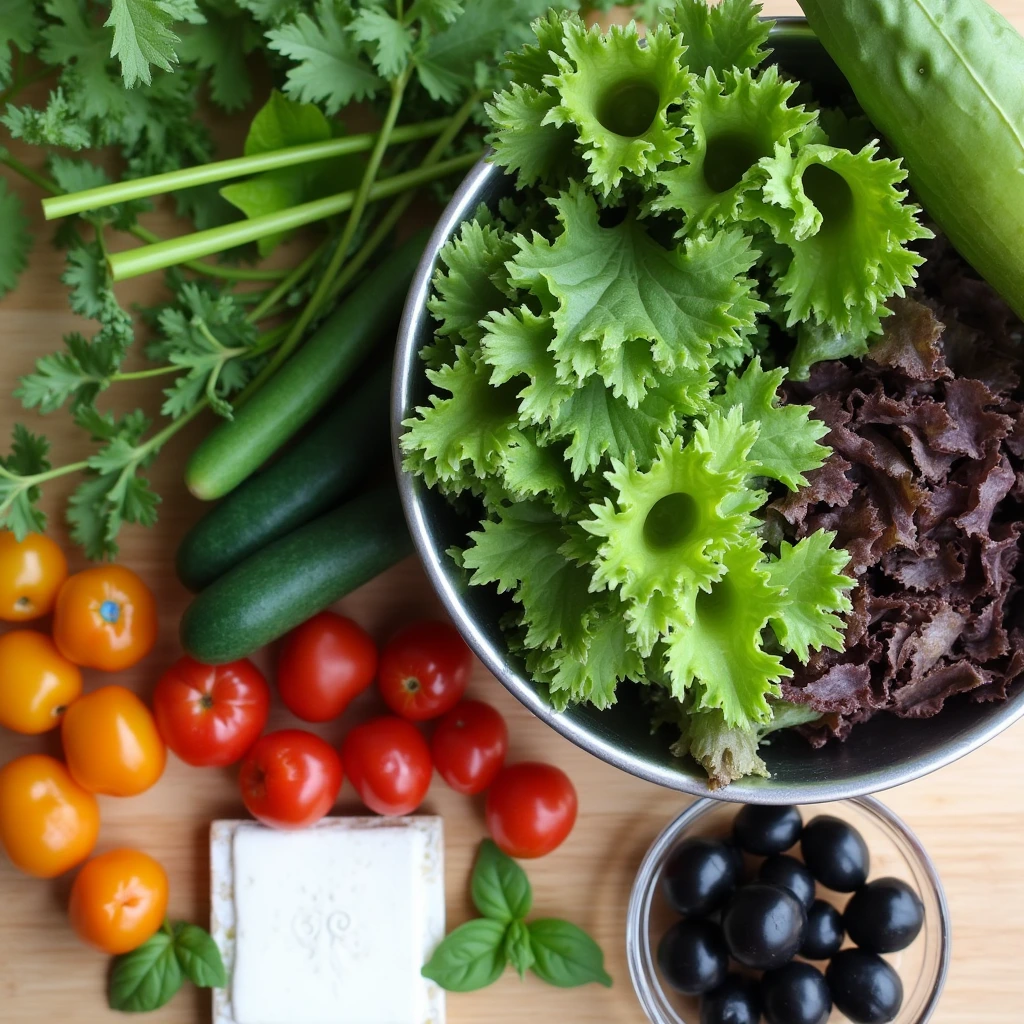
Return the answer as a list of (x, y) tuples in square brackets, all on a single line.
[(297, 576), (307, 480), (236, 448)]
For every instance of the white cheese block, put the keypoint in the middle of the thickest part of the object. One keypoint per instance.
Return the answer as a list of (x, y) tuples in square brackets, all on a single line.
[(329, 925)]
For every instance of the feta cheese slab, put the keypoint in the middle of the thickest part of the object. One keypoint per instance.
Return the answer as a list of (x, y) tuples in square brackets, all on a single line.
[(329, 925)]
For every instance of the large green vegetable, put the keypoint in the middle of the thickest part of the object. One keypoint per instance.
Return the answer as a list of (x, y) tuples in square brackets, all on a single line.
[(308, 480), (284, 584), (944, 80), (238, 447)]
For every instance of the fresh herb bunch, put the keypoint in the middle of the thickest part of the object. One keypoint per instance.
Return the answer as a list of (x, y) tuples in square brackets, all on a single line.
[(602, 366), (131, 74)]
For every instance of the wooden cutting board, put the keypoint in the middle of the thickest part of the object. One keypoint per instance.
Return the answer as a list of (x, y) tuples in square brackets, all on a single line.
[(970, 816)]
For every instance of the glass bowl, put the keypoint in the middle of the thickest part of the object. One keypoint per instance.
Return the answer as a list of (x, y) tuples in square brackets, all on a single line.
[(895, 852)]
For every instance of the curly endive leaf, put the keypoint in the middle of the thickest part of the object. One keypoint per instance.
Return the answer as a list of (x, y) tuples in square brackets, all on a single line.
[(525, 141), (520, 551), (814, 588), (534, 61), (717, 640), (725, 753), (730, 35), (516, 345), (624, 304), (532, 470), (616, 92), (667, 530), (847, 227), (609, 658), (473, 282), (735, 123), (787, 440), (467, 434)]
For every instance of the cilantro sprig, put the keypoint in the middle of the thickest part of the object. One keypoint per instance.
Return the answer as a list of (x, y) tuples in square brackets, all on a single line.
[(129, 75)]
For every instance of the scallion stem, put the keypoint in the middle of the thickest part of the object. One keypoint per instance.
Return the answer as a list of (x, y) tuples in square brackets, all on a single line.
[(210, 269), (223, 170), (174, 251)]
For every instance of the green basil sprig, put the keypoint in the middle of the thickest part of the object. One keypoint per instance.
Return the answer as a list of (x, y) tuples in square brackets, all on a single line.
[(476, 954), (148, 977)]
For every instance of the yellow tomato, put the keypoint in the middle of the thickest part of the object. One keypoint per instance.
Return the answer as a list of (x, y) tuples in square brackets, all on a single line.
[(111, 743), (48, 823), (31, 572), (105, 618), (37, 683), (118, 900)]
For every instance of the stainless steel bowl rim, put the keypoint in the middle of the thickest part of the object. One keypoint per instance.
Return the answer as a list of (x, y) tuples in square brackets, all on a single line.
[(407, 364)]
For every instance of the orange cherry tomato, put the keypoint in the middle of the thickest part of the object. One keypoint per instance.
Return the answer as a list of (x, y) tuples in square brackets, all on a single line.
[(31, 572), (119, 900), (48, 823), (37, 683), (105, 618), (111, 743)]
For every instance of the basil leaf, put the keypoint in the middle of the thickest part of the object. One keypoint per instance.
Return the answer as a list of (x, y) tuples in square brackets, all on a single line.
[(501, 890), (199, 956), (518, 948), (566, 956), (146, 978), (471, 957)]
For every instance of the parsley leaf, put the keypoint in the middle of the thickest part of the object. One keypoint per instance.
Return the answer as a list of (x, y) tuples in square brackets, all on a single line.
[(142, 37), (207, 335), (19, 25), (329, 67), (16, 240), (390, 41), (58, 124), (78, 374), (220, 46), (19, 491), (728, 36)]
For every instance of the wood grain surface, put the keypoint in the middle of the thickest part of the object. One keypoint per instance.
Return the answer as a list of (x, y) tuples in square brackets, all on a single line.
[(970, 816)]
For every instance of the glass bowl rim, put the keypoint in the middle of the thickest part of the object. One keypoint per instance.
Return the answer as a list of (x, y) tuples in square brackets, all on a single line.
[(638, 947)]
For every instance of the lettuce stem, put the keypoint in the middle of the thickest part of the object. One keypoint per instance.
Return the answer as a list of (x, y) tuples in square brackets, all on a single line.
[(174, 251), (223, 170)]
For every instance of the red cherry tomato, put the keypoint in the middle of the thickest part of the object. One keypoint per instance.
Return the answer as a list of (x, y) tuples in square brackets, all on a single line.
[(531, 808), (290, 779), (424, 670), (388, 762), (210, 715), (469, 746), (324, 663)]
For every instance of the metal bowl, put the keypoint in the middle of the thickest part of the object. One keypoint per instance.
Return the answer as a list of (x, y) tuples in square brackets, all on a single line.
[(884, 752)]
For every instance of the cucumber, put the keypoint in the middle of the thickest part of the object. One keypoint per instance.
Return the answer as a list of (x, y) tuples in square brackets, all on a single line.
[(942, 79), (297, 576), (307, 480), (236, 448)]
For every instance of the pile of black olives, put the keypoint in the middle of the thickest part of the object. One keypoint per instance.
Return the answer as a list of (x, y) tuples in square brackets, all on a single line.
[(765, 923)]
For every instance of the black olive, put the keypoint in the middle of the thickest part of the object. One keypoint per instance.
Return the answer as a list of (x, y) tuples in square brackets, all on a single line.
[(885, 916), (864, 987), (700, 876), (795, 994), (766, 830), (764, 926), (693, 958), (836, 853), (824, 934), (735, 1001), (788, 873)]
